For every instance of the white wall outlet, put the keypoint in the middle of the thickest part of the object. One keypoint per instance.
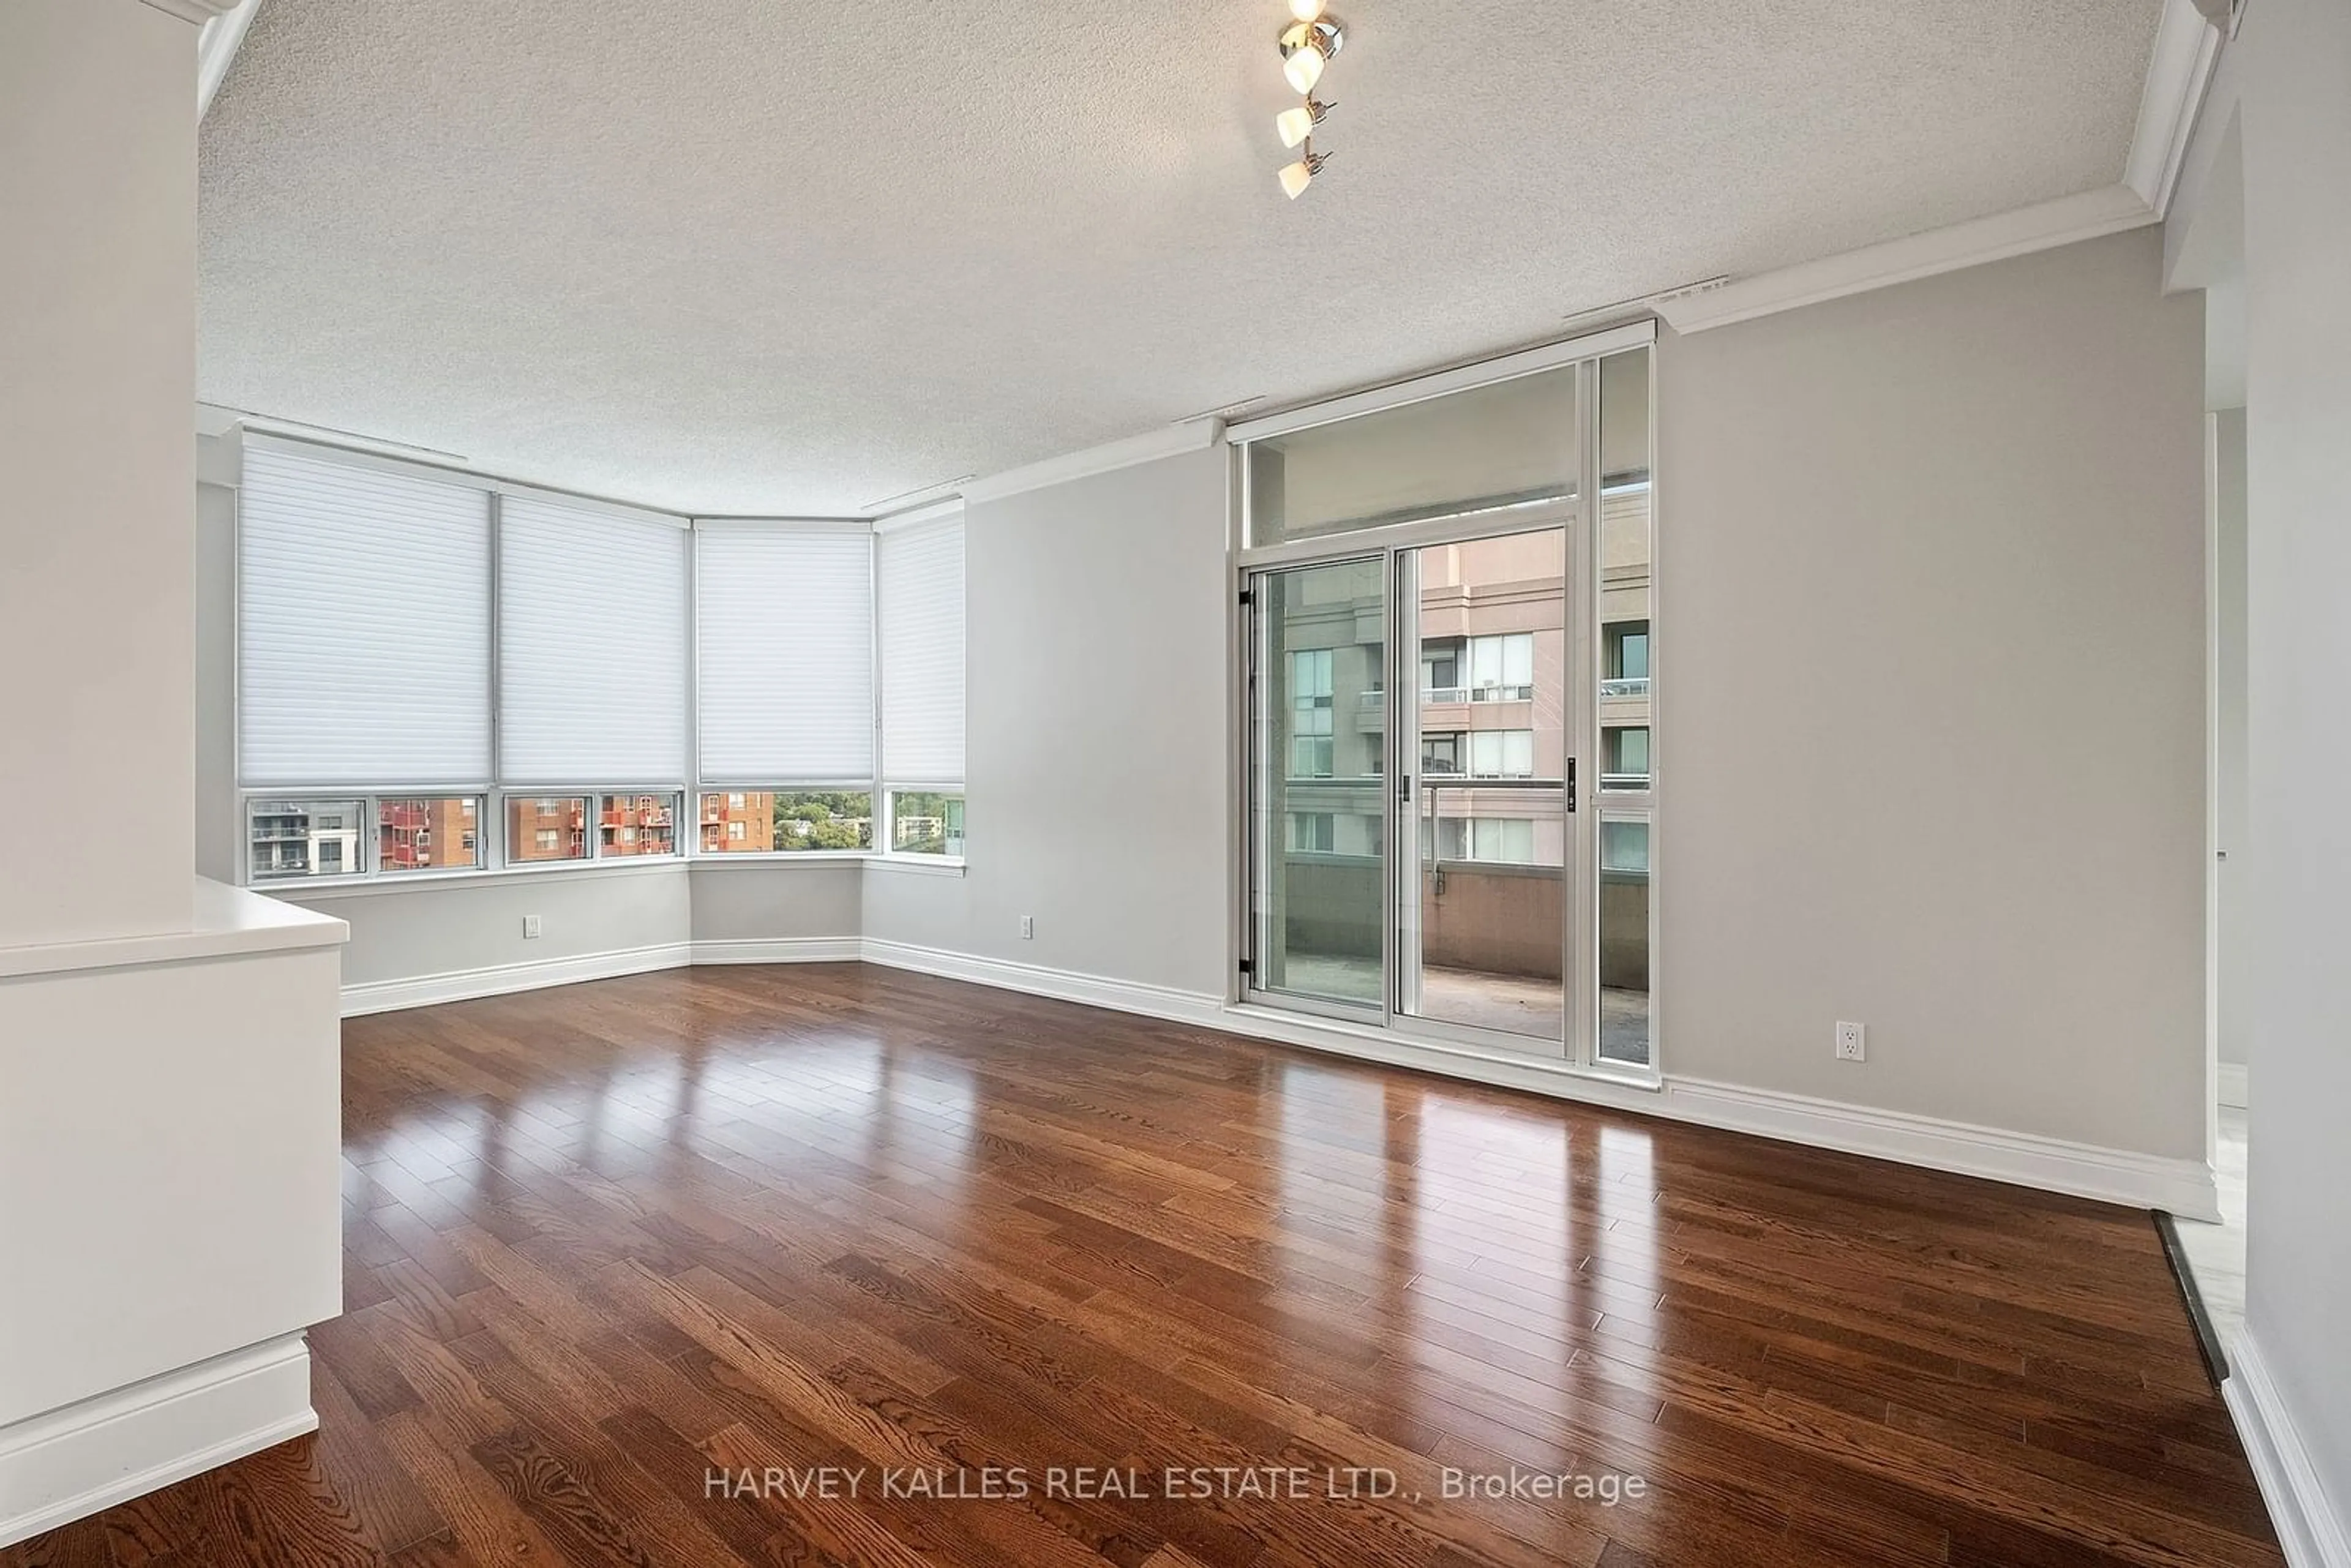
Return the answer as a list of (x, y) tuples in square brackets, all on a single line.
[(1027, 928), (530, 928), (1851, 1042)]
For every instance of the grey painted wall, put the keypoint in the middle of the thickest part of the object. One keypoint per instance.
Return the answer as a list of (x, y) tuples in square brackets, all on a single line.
[(1098, 650), (1931, 699), (476, 924), (2297, 124), (767, 902)]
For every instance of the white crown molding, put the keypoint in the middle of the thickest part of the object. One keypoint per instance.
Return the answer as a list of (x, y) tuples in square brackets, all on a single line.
[(196, 11), (216, 48), (69, 1463), (930, 512), (2110, 209), (2186, 46), (1193, 435), (2311, 1529)]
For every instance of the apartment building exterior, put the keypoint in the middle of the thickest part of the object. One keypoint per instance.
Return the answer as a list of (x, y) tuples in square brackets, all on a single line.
[(423, 834), (739, 821)]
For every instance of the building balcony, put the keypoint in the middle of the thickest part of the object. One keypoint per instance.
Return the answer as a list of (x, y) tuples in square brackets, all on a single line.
[(1626, 687)]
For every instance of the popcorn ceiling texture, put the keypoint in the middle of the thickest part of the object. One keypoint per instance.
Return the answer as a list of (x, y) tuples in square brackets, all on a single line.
[(794, 255)]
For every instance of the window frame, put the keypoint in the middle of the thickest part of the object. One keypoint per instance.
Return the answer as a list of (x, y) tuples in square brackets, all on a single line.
[(493, 856)]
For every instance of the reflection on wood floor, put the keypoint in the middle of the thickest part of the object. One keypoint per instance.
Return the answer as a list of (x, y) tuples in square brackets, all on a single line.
[(606, 1240)]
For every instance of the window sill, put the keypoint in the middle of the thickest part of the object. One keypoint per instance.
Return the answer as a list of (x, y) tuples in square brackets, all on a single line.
[(304, 891), (770, 860), (919, 865)]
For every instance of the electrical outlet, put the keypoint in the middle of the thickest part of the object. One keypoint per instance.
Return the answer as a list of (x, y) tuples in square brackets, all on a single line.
[(1027, 928), (1851, 1042), (530, 928)]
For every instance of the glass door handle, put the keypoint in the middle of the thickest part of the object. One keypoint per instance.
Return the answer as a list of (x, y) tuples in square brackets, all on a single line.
[(1570, 784)]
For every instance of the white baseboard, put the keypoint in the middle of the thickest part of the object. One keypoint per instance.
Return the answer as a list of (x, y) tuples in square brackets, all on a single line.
[(2232, 1085), (2311, 1528), (499, 979), (2181, 1187), (781, 950), (2178, 1185), (1093, 991), (69, 1463)]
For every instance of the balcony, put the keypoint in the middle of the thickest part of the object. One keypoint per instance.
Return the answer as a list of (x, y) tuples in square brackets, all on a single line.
[(1625, 687)]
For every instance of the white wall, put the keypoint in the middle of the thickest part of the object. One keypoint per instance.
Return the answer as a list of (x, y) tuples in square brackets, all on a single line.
[(1098, 638), (2233, 910), (98, 273), (1931, 677), (2296, 135)]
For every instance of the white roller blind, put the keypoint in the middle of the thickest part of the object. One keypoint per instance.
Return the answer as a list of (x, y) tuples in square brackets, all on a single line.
[(786, 660), (922, 654), (363, 625), (592, 645)]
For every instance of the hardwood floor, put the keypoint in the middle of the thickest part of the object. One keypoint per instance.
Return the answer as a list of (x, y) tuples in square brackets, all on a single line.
[(605, 1241)]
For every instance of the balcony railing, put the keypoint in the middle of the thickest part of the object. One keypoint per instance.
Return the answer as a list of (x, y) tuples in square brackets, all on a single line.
[(1627, 687), (1435, 697), (1623, 781)]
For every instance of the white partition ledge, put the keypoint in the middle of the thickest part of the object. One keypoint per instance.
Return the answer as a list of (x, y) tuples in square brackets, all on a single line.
[(228, 920)]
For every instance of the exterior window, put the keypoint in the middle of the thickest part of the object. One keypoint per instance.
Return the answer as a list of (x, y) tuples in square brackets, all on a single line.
[(1625, 758), (1311, 737), (429, 832), (637, 825), (1313, 832), (288, 838), (1502, 668), (1508, 839), (813, 821), (1626, 651), (786, 822), (1440, 670), (1625, 848), (925, 823), (1441, 753), (736, 823), (1502, 754), (546, 829)]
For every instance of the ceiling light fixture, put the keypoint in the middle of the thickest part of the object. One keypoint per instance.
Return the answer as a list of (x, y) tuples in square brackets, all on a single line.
[(1296, 177), (1307, 46), (1295, 125)]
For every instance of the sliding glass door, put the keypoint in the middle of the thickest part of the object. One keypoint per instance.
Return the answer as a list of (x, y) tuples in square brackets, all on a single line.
[(1320, 816), (1450, 634), (1485, 760)]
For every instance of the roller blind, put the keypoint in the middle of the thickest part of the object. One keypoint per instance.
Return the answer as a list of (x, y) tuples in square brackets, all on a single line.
[(363, 625), (592, 645), (922, 654), (786, 654)]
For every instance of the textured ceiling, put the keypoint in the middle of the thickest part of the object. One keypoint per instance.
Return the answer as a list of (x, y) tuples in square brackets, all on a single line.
[(759, 257)]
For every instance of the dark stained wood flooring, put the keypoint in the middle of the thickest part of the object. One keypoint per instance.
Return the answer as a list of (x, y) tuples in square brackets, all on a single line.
[(603, 1240)]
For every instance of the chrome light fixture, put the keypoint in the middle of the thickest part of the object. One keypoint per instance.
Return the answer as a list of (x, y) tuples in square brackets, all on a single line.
[(1295, 125), (1309, 43)]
